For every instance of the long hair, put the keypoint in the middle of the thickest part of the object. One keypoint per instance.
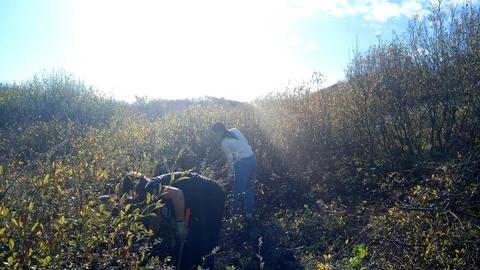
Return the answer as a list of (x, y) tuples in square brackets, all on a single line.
[(219, 126), (134, 181)]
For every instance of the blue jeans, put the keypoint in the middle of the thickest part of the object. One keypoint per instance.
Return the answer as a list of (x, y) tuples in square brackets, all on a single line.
[(245, 174)]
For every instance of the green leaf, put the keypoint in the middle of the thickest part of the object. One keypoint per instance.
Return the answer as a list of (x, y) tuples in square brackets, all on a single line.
[(11, 244), (47, 260), (30, 206), (45, 180), (183, 178), (130, 240), (152, 214), (149, 197), (159, 204), (35, 226), (362, 253)]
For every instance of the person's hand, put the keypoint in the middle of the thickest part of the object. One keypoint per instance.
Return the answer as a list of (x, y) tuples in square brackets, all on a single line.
[(182, 231)]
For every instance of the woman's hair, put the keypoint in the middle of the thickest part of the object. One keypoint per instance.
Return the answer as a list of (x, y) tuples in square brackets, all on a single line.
[(134, 181), (219, 126)]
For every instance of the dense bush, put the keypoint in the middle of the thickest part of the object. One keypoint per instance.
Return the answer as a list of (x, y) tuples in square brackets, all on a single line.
[(54, 96)]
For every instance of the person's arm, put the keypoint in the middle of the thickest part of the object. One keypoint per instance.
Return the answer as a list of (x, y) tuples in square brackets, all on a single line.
[(178, 200), (229, 155)]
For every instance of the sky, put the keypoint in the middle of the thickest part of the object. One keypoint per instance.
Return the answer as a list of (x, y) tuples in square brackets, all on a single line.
[(238, 50)]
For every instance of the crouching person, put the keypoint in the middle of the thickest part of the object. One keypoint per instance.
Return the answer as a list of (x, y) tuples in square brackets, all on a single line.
[(200, 202)]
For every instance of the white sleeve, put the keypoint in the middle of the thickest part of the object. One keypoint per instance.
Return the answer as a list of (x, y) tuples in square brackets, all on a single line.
[(229, 155)]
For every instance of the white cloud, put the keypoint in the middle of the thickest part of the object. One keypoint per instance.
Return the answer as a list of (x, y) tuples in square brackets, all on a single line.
[(312, 46), (384, 11), (368, 17), (360, 8), (372, 10), (409, 8)]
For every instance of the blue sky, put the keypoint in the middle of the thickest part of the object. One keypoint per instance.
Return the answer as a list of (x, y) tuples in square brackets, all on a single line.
[(238, 50)]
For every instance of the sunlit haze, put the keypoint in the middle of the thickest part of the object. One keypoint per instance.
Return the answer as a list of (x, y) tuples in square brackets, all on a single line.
[(238, 50)]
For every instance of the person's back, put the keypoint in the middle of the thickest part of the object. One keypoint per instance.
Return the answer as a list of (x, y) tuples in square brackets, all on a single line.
[(195, 187), (205, 201), (239, 147)]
